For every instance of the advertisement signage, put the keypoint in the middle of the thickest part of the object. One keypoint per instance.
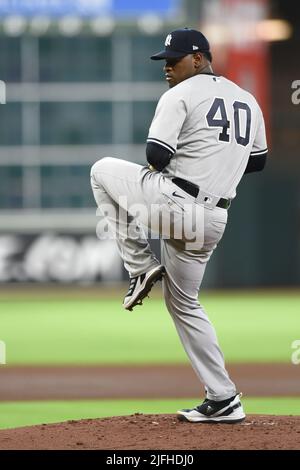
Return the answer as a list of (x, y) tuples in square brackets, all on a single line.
[(87, 8)]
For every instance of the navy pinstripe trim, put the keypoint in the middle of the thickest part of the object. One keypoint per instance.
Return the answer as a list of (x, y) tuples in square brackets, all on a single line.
[(259, 152), (163, 144)]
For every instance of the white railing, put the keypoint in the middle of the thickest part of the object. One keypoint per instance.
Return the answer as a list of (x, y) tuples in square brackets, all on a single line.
[(32, 155), (84, 91), (28, 221)]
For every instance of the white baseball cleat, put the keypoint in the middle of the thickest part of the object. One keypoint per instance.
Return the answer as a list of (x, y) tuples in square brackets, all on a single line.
[(228, 411), (140, 287)]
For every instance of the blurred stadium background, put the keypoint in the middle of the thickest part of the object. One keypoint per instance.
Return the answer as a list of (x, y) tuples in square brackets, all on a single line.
[(80, 85)]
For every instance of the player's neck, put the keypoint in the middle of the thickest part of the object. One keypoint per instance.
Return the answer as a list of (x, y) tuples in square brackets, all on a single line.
[(207, 68)]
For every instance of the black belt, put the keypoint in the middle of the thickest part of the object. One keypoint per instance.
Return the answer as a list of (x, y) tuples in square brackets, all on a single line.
[(193, 190)]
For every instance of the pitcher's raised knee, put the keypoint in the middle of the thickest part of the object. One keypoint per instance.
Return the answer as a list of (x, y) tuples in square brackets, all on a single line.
[(102, 165)]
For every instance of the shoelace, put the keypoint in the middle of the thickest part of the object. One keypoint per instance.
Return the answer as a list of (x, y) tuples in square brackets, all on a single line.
[(201, 404), (213, 404)]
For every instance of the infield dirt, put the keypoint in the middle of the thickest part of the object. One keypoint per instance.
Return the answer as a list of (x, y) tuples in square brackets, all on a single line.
[(138, 381)]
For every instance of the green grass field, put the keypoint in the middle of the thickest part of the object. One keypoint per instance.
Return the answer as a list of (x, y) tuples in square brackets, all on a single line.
[(17, 414), (250, 327)]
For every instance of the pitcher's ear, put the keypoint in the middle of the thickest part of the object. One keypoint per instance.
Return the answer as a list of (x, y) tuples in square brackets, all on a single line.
[(198, 59)]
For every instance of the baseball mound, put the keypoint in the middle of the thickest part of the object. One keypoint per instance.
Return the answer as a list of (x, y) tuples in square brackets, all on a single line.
[(141, 431)]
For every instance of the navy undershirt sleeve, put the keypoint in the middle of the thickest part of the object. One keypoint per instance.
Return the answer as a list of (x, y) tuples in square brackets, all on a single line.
[(159, 157), (256, 163)]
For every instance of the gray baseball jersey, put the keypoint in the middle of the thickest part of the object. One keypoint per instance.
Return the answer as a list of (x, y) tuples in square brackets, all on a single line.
[(211, 126)]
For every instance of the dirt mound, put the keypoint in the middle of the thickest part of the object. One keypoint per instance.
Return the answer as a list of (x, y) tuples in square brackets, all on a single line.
[(141, 431)]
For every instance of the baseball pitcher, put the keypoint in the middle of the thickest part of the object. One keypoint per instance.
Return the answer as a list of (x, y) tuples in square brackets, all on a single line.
[(206, 133)]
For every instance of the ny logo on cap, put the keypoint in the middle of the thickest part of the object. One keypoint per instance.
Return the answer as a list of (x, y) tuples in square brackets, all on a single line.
[(168, 40)]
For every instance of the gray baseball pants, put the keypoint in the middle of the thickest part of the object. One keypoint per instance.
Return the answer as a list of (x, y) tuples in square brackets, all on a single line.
[(134, 192)]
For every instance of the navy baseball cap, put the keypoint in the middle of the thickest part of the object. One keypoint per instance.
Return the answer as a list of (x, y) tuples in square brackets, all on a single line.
[(182, 42)]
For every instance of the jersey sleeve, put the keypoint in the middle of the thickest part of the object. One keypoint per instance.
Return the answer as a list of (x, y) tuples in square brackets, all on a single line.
[(169, 117), (260, 141)]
